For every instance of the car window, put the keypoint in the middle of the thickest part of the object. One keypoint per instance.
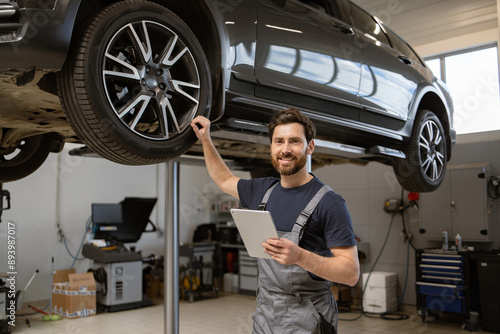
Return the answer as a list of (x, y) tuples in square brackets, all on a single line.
[(364, 22), (317, 4), (323, 6), (402, 46)]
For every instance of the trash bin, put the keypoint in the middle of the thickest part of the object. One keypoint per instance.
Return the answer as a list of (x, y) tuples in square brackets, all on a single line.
[(488, 268)]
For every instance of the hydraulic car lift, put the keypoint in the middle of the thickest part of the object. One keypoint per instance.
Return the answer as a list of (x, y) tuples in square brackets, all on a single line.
[(171, 274)]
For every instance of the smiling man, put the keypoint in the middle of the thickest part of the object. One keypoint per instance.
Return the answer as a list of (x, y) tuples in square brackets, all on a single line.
[(316, 245), (289, 149)]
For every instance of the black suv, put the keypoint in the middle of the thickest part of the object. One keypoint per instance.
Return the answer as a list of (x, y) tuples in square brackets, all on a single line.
[(129, 76)]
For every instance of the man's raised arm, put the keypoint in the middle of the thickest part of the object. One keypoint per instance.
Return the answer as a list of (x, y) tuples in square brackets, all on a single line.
[(217, 168)]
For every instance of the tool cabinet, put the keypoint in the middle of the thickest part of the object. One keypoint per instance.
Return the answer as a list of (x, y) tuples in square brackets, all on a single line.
[(444, 283)]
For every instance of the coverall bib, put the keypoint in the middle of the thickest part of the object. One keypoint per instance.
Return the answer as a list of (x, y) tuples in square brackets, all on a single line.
[(288, 299)]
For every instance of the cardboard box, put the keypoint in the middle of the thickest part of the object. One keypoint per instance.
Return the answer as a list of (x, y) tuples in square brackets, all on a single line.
[(153, 285), (381, 286), (378, 306), (341, 293), (381, 279), (380, 294), (73, 295)]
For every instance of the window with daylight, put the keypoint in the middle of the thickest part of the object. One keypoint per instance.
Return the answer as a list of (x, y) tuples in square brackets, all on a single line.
[(472, 77)]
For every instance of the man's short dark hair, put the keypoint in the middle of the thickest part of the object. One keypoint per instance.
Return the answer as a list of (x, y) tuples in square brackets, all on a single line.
[(292, 115)]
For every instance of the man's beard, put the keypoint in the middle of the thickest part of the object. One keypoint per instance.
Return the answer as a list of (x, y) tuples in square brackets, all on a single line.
[(299, 163)]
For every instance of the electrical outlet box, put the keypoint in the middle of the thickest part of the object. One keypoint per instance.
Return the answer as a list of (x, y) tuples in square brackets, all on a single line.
[(393, 205)]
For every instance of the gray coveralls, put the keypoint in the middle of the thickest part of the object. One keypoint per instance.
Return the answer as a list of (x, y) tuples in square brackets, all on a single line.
[(288, 299)]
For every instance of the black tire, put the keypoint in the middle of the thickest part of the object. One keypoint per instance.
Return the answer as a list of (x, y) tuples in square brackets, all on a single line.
[(135, 78), (28, 155), (426, 155)]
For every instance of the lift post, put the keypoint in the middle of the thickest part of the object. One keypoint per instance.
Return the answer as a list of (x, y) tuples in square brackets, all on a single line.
[(171, 235)]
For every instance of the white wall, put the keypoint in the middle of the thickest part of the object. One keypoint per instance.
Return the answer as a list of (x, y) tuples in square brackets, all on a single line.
[(366, 188), (370, 223), (40, 203), (60, 194)]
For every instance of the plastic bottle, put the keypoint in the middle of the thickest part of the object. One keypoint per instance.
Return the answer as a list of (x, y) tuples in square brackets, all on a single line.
[(458, 242), (90, 235), (445, 240)]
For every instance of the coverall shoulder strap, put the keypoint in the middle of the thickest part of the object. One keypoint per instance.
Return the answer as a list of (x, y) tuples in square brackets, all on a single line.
[(263, 203), (301, 221)]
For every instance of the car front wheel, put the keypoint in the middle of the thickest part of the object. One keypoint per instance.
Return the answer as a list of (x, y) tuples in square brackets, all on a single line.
[(134, 80), (426, 155)]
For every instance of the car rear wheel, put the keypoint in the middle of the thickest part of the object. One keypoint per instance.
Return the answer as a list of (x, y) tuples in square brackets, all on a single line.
[(426, 155), (23, 158), (135, 79)]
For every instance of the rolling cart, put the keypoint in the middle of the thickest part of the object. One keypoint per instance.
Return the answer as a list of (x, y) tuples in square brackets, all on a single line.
[(201, 271), (445, 282)]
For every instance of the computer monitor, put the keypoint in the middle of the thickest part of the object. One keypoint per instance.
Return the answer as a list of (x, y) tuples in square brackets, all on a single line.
[(136, 212), (123, 222), (106, 218)]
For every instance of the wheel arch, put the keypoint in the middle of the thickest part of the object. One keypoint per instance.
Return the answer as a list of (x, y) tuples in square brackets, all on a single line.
[(431, 101), (208, 29), (207, 25)]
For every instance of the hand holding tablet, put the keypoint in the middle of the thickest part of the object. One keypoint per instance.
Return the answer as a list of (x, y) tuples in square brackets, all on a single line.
[(255, 227)]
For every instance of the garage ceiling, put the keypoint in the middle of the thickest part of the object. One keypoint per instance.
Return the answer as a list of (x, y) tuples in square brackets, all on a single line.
[(426, 21)]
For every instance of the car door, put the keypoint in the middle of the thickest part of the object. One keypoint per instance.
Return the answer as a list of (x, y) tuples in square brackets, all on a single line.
[(304, 57), (389, 79)]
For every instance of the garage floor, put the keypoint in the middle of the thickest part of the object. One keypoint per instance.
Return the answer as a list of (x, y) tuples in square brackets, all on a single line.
[(228, 314)]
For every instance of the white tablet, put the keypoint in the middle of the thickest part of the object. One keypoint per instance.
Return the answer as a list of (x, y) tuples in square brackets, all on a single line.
[(255, 227)]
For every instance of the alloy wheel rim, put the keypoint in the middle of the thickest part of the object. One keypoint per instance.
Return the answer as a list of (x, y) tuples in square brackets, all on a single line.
[(151, 80), (432, 150)]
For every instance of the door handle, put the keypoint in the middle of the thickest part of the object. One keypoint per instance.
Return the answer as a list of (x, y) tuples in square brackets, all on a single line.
[(344, 28), (405, 60)]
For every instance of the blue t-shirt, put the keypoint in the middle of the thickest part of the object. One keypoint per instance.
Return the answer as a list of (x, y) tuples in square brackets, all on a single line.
[(329, 225)]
